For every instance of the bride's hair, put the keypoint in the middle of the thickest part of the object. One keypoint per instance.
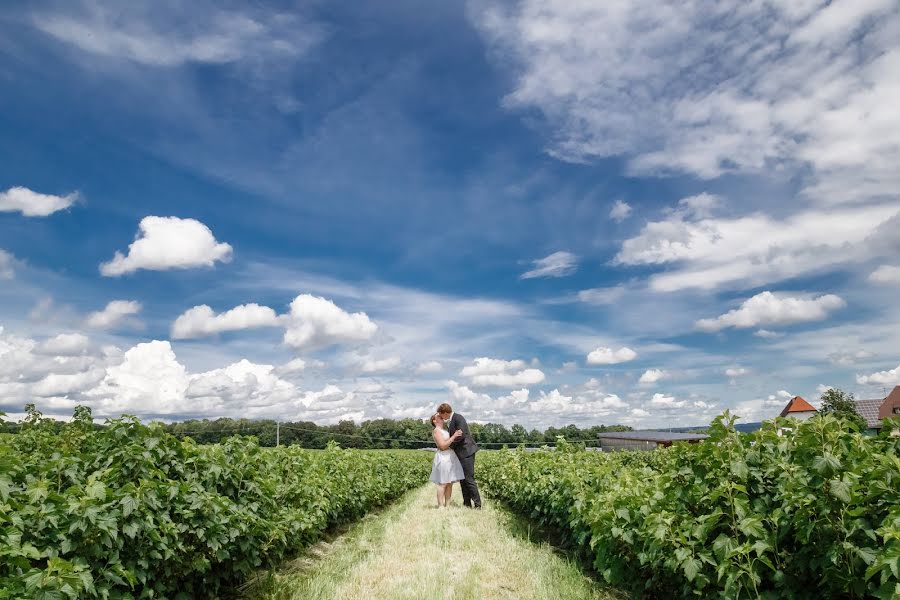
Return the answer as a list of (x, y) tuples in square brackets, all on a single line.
[(433, 417)]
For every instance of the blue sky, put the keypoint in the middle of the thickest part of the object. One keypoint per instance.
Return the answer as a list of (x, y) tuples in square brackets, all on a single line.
[(542, 212)]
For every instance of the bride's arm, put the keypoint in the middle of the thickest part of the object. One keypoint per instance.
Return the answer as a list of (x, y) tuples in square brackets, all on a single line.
[(442, 444)]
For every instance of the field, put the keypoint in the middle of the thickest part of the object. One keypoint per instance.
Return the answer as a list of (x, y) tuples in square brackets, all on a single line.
[(813, 511), (129, 511)]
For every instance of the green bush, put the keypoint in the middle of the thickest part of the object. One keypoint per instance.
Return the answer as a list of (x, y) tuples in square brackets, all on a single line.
[(808, 511), (129, 511)]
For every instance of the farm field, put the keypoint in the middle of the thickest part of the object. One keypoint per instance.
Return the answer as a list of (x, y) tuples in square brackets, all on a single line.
[(413, 551), (130, 511), (812, 511)]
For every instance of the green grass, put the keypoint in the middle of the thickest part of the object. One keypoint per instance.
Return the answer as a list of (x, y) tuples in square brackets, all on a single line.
[(413, 551)]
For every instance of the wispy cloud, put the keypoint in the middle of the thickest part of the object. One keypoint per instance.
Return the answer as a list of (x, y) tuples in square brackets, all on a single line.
[(558, 264)]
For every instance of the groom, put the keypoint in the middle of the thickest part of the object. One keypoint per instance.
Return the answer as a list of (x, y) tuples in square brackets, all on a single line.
[(465, 449)]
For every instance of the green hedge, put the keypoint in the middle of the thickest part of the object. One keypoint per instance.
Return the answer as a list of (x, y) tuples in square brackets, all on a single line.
[(130, 511), (811, 512)]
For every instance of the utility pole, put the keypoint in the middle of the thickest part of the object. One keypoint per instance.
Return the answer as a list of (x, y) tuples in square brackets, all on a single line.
[(277, 434)]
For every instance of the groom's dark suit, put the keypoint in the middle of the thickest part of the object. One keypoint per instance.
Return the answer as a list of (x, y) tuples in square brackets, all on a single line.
[(465, 448)]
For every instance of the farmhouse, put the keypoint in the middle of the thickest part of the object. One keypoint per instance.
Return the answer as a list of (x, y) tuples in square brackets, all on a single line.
[(872, 410), (645, 440), (799, 409)]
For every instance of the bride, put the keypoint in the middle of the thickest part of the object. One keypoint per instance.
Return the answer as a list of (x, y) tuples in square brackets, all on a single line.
[(445, 469)]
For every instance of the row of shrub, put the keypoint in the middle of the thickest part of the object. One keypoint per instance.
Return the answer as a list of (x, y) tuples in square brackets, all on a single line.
[(794, 510), (129, 511)]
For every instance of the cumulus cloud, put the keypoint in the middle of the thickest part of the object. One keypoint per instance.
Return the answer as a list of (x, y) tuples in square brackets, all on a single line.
[(168, 243), (620, 211), (148, 380), (202, 321), (295, 365), (495, 372), (113, 314), (33, 204), (431, 366), (886, 274), (736, 372), (651, 376), (706, 90), (64, 384), (767, 308), (558, 264), (6, 265), (65, 344), (466, 396), (315, 322), (608, 356), (240, 386), (708, 253), (888, 378)]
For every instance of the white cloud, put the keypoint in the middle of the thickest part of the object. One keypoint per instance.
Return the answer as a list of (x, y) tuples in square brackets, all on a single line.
[(558, 264), (755, 249), (380, 365), (168, 39), (849, 357), (64, 384), (33, 204), (149, 380), (113, 314), (295, 365), (201, 321), (767, 308), (887, 378), (736, 371), (651, 376), (431, 366), (602, 296), (766, 334), (886, 274), (710, 89), (316, 322), (761, 409), (663, 401), (620, 211), (608, 356), (464, 395), (6, 265), (639, 413), (242, 386), (169, 243), (496, 372), (65, 344)]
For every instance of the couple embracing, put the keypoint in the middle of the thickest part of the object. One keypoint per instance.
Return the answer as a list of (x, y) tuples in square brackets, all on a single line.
[(455, 458)]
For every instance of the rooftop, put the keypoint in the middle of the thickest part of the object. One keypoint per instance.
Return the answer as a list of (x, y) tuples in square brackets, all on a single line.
[(652, 436), (797, 404), (868, 409)]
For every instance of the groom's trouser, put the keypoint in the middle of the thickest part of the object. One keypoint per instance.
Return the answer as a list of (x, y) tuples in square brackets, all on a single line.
[(471, 497)]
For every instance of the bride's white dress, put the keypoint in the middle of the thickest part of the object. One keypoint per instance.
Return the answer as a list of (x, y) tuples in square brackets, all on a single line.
[(446, 468)]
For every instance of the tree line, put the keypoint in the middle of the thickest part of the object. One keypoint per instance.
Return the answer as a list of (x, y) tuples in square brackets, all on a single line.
[(373, 434)]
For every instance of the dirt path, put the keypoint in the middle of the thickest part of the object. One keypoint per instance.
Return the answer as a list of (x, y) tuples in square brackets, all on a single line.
[(413, 551)]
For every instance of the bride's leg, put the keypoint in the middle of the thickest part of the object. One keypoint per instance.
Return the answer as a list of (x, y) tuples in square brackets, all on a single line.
[(440, 494), (448, 492)]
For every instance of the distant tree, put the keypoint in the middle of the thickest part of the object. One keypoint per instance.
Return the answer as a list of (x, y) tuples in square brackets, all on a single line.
[(840, 404)]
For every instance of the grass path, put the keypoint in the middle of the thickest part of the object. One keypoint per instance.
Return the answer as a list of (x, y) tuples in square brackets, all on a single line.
[(413, 551)]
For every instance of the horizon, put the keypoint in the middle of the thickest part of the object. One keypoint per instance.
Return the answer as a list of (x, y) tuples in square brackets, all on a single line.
[(543, 213)]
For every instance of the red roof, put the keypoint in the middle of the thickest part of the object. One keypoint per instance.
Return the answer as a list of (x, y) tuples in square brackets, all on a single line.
[(797, 404)]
